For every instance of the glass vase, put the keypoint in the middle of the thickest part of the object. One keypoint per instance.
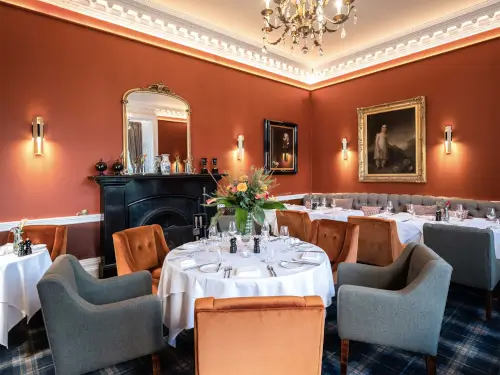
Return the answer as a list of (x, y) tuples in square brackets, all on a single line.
[(248, 224), (18, 240)]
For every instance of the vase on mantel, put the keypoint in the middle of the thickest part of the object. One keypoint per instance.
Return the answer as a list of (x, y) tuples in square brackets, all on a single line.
[(166, 165)]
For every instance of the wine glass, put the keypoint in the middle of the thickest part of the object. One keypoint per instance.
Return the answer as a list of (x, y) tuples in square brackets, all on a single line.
[(389, 207), (232, 229), (491, 214), (323, 202), (269, 251), (284, 235), (334, 204), (264, 231), (245, 238), (411, 210), (460, 212)]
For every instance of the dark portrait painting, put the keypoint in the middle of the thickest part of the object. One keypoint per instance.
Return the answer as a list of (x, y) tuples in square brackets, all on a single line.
[(392, 146), (280, 147)]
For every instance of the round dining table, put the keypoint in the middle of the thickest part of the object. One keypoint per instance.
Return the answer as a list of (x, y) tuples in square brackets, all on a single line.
[(179, 287), (18, 293)]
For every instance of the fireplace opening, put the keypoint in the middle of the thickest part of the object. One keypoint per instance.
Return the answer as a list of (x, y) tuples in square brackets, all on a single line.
[(176, 227)]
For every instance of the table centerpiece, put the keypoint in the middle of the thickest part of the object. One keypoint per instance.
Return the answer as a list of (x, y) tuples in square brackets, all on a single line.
[(248, 194)]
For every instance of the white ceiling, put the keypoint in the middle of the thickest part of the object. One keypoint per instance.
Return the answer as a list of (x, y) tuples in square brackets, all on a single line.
[(378, 21)]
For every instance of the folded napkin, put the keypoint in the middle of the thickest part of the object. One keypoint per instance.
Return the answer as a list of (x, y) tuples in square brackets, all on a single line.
[(188, 263), (310, 257), (6, 249), (248, 271)]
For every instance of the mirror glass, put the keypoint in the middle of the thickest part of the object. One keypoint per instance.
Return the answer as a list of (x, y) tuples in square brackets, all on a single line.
[(156, 124)]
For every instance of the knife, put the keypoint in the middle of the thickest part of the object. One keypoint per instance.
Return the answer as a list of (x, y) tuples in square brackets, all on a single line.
[(218, 268)]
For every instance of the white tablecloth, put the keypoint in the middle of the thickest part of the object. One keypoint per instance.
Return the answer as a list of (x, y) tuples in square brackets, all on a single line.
[(418, 224), (179, 289), (406, 233), (18, 293)]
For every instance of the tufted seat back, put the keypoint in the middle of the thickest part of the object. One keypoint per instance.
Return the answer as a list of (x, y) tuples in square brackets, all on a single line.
[(140, 249), (298, 223), (399, 201)]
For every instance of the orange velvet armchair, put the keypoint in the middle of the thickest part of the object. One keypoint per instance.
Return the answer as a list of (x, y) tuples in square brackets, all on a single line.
[(338, 239), (54, 236), (141, 249), (379, 243), (259, 335), (298, 223)]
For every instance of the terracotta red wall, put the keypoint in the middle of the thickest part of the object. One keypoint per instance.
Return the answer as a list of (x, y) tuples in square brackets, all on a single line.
[(172, 139), (75, 78), (461, 89)]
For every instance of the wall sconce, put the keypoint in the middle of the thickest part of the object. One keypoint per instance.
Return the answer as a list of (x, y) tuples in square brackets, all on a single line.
[(241, 147), (447, 139), (344, 148), (37, 133)]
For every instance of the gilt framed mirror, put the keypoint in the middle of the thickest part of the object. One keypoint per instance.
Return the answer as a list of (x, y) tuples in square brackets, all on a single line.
[(156, 122)]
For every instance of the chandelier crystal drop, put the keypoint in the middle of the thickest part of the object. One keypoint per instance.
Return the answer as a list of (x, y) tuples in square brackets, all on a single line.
[(303, 20)]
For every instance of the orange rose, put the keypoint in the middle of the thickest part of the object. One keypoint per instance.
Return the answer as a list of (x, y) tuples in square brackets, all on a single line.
[(242, 187), (243, 178)]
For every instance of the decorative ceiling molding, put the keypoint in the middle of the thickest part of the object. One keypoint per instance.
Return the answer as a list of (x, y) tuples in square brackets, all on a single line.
[(461, 25), (155, 20), (140, 109)]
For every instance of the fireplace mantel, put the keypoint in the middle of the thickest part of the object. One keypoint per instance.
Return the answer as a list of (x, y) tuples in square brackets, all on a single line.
[(130, 201)]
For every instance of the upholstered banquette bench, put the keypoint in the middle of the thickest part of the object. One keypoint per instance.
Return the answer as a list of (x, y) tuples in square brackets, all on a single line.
[(476, 208)]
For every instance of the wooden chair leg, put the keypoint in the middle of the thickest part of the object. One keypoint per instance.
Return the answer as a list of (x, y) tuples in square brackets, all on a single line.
[(344, 356), (156, 364), (430, 362), (489, 304)]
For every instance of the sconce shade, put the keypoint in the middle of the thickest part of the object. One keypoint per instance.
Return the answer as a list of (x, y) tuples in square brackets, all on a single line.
[(448, 137), (344, 148), (37, 125), (241, 146)]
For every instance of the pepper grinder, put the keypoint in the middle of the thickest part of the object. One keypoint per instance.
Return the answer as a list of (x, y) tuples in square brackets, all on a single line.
[(256, 245), (232, 247)]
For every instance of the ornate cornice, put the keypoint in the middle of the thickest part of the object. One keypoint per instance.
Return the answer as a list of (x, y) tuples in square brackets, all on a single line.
[(153, 19)]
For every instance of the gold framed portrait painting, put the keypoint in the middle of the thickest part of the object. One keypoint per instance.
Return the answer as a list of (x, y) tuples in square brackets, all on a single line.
[(392, 142)]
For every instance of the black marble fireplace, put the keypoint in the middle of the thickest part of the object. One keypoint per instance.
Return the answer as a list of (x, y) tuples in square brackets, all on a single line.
[(171, 201)]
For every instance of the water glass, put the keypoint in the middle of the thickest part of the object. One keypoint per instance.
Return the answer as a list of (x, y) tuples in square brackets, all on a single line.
[(212, 233), (411, 210), (284, 235), (460, 212), (334, 204), (264, 232), (389, 207), (323, 202), (269, 252), (245, 251), (491, 214), (232, 229)]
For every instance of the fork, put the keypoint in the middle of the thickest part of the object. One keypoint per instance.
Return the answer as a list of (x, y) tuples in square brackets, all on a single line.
[(229, 269), (225, 271), (273, 271)]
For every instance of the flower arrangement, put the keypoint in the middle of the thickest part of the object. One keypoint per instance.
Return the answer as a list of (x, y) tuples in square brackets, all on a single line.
[(247, 194)]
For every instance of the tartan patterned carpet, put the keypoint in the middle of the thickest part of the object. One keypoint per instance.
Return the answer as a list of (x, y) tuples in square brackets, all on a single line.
[(468, 346)]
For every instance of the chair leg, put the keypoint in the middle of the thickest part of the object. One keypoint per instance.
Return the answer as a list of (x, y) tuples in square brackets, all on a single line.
[(344, 356), (430, 362), (489, 304), (156, 364)]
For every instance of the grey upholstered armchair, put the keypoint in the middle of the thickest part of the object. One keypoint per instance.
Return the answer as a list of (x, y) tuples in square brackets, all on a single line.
[(471, 253), (93, 323), (401, 305)]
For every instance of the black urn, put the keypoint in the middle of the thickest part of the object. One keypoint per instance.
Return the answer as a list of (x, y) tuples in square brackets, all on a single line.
[(117, 167), (101, 166), (204, 169), (215, 170)]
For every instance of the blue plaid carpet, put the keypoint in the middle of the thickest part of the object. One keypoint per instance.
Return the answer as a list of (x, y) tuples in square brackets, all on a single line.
[(468, 346)]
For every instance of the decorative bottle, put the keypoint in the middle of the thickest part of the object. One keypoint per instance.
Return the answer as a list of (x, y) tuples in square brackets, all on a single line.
[(177, 164), (166, 165)]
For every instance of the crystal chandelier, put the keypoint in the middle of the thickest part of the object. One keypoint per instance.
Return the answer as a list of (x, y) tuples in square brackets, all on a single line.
[(305, 22)]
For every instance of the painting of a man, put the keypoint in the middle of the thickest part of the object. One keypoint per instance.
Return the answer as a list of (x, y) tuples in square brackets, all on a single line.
[(280, 147)]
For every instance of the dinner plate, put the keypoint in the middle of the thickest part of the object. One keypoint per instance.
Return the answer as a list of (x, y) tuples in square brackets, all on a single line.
[(210, 268), (290, 265)]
